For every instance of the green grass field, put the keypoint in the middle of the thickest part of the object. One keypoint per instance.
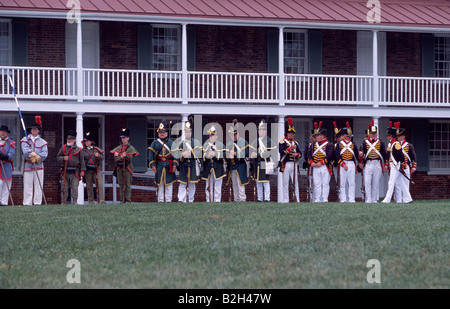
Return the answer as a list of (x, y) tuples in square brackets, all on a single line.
[(227, 245)]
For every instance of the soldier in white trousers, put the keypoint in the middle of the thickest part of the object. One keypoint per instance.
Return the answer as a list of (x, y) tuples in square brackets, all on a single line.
[(396, 160), (409, 166), (35, 151), (346, 162), (320, 158), (371, 160), (188, 152), (261, 150), (237, 154), (213, 166), (290, 153)]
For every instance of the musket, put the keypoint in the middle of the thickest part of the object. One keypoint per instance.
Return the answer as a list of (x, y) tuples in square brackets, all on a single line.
[(156, 173), (210, 176), (123, 175), (64, 182), (309, 188), (254, 178), (64, 176), (363, 189), (294, 181), (338, 181), (25, 135), (123, 182), (7, 186), (406, 176)]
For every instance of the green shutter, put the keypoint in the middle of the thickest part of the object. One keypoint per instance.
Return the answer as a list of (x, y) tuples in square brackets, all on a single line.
[(428, 55), (315, 52), (191, 51), (19, 43), (138, 138), (145, 50), (272, 50), (420, 140)]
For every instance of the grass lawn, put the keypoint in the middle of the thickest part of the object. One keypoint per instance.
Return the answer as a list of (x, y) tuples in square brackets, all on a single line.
[(227, 245)]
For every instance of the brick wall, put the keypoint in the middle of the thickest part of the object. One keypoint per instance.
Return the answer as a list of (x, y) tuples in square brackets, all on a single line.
[(46, 42), (404, 54), (339, 52), (118, 45)]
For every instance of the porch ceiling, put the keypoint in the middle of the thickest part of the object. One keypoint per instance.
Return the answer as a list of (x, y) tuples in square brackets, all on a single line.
[(402, 13)]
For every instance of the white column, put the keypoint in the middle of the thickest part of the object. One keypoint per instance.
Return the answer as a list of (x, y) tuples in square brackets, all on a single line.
[(280, 175), (281, 67), (375, 123), (375, 69), (80, 134), (184, 118), (184, 73), (80, 79)]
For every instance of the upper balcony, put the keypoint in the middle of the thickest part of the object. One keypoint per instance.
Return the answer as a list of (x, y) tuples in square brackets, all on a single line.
[(107, 85)]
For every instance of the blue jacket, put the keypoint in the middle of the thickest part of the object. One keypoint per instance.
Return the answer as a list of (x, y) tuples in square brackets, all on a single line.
[(6, 169)]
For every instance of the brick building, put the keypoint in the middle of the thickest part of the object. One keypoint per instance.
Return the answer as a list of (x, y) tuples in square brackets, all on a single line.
[(132, 64)]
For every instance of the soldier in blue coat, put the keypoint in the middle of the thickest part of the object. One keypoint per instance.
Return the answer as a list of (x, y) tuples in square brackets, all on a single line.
[(261, 150), (189, 154), (163, 163), (237, 154), (213, 166), (7, 151)]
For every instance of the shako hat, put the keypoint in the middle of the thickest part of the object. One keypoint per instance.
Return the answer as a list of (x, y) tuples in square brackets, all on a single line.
[(233, 129), (347, 130), (163, 127), (262, 125), (89, 136), (212, 130), (125, 132), (337, 131), (391, 130), (399, 131), (372, 128), (37, 123), (72, 134), (318, 129), (290, 127)]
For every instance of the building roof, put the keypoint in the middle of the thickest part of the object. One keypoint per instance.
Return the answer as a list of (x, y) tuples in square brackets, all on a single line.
[(408, 13)]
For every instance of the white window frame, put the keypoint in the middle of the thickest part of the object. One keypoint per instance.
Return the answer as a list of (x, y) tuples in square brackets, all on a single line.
[(178, 28), (8, 21), (434, 170), (440, 35), (305, 33)]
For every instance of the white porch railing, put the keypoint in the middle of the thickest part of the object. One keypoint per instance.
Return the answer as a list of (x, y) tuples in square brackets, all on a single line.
[(233, 87), (39, 83), (101, 84), (414, 91), (212, 87), (328, 89)]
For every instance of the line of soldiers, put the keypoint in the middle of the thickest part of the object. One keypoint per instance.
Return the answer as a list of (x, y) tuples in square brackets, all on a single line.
[(213, 162), (343, 159)]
